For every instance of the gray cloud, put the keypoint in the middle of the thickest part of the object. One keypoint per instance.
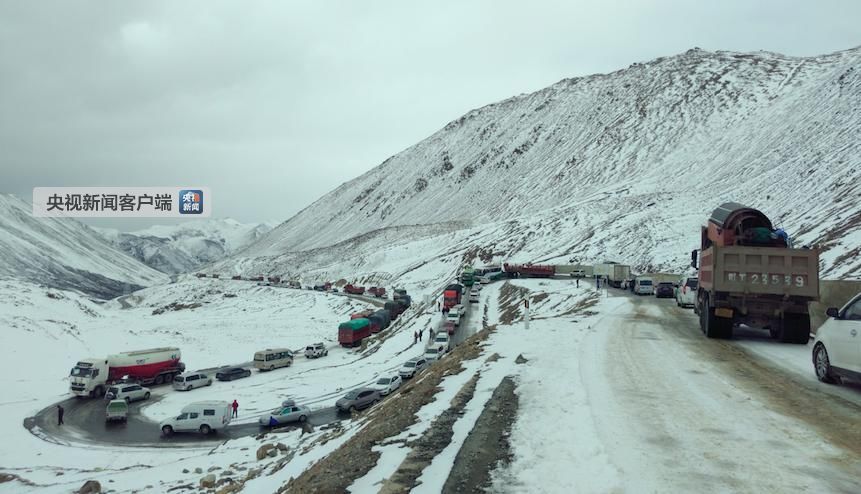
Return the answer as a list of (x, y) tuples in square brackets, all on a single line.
[(272, 104)]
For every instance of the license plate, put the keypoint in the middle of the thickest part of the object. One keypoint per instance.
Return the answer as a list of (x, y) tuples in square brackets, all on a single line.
[(767, 279)]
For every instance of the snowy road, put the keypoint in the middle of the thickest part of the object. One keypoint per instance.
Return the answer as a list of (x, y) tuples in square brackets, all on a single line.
[(678, 412)]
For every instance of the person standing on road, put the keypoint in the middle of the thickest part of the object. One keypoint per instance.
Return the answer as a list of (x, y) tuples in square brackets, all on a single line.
[(578, 282), (235, 408), (415, 337), (60, 412), (421, 333), (437, 307), (430, 338)]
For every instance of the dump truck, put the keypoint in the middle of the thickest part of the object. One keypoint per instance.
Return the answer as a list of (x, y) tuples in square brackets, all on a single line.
[(749, 274), (352, 332), (452, 295), (377, 291), (529, 270), (91, 377), (467, 276)]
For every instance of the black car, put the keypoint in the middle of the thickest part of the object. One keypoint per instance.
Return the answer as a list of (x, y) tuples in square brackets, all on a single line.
[(231, 373), (664, 290)]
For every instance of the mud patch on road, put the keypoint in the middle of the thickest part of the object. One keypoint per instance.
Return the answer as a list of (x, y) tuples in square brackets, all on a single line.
[(487, 447), (434, 440)]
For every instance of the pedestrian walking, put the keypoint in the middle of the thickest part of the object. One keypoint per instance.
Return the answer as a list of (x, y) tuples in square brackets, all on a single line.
[(415, 337), (437, 307), (235, 408), (431, 335), (578, 282), (421, 333), (60, 412)]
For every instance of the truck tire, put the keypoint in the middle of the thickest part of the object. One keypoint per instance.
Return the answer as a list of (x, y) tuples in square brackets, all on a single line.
[(796, 328), (159, 379), (822, 365), (713, 326)]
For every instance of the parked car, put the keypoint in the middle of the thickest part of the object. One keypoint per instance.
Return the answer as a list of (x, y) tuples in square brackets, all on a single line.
[(358, 399), (117, 411), (643, 286), (442, 342), (127, 392), (288, 412), (686, 292), (664, 289), (231, 373), (474, 297), (203, 416), (837, 346), (477, 287), (316, 350), (386, 385), (191, 380), (432, 354), (413, 366)]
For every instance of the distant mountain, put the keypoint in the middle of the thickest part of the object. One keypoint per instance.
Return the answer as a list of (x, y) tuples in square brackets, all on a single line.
[(66, 254), (622, 166), (186, 246)]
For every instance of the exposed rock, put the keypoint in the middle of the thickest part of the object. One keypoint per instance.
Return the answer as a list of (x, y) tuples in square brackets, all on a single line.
[(184, 470), (90, 487), (208, 482), (281, 447), (520, 359), (213, 468), (263, 451), (198, 470)]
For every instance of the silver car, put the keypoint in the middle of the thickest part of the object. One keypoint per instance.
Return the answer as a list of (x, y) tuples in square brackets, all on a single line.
[(411, 367), (127, 392), (358, 399), (289, 412), (191, 380)]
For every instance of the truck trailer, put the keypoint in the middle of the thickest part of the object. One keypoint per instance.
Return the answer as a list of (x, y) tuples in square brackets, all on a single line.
[(618, 274), (452, 295), (91, 377), (749, 275), (530, 270), (352, 332)]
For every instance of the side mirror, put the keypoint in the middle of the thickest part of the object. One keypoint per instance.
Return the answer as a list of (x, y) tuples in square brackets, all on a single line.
[(832, 312), (694, 259)]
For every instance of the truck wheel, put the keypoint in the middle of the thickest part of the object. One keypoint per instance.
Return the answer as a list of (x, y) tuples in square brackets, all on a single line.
[(796, 328), (711, 325), (159, 379), (167, 430), (205, 429), (822, 364)]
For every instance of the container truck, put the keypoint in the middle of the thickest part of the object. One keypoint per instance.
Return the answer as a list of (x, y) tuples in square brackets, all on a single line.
[(530, 270), (749, 274), (352, 332), (91, 377), (451, 296), (618, 274)]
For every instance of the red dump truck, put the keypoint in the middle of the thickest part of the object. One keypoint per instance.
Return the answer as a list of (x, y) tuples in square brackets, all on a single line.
[(530, 270), (377, 291), (749, 274), (352, 332), (452, 295), (354, 290)]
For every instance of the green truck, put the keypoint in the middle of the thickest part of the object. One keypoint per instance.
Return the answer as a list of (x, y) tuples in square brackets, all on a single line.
[(467, 276)]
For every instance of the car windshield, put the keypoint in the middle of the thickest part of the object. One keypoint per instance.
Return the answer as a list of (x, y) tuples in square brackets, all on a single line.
[(309, 348), (179, 379), (384, 381), (665, 284), (645, 282), (692, 283), (431, 351), (113, 390), (410, 364), (82, 372), (351, 395)]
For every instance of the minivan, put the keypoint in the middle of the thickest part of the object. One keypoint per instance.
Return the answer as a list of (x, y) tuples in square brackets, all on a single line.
[(203, 416), (643, 286), (191, 380)]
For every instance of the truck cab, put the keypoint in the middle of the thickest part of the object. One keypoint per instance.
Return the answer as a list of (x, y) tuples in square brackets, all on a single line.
[(88, 377)]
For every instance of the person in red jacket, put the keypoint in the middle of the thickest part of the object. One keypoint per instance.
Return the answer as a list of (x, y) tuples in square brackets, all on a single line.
[(235, 408)]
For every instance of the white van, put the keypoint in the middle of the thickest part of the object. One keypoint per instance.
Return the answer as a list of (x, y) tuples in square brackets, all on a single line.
[(272, 358), (643, 286), (203, 416)]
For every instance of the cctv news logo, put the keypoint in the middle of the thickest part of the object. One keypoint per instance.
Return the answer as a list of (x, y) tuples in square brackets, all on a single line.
[(122, 202)]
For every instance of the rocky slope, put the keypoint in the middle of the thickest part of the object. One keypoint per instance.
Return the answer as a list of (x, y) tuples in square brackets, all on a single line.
[(624, 165)]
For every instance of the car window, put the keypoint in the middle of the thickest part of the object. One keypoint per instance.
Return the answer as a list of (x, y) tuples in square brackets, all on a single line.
[(192, 378), (853, 312), (182, 416), (179, 379), (192, 415), (113, 390), (209, 412)]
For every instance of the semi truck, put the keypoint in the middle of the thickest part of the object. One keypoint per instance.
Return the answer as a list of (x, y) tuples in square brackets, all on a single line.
[(91, 377), (452, 295), (354, 290), (377, 291), (749, 274), (395, 309), (398, 293), (530, 270), (352, 332), (618, 274)]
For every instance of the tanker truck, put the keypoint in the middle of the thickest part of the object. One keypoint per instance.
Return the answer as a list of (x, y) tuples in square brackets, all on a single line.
[(91, 377)]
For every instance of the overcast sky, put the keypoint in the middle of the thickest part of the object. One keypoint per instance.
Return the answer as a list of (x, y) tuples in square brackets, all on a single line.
[(272, 104)]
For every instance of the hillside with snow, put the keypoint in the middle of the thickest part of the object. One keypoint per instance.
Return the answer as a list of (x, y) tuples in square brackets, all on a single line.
[(65, 254), (622, 166), (186, 246)]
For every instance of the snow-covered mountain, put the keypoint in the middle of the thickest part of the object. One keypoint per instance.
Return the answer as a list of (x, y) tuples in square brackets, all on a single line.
[(66, 254), (622, 166), (186, 246)]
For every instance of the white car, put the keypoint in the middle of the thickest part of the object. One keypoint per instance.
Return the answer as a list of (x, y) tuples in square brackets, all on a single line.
[(686, 292), (643, 286), (127, 392), (411, 367), (474, 297), (386, 385), (432, 354), (837, 347), (191, 380), (441, 342), (453, 316), (316, 350), (477, 287), (204, 417)]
